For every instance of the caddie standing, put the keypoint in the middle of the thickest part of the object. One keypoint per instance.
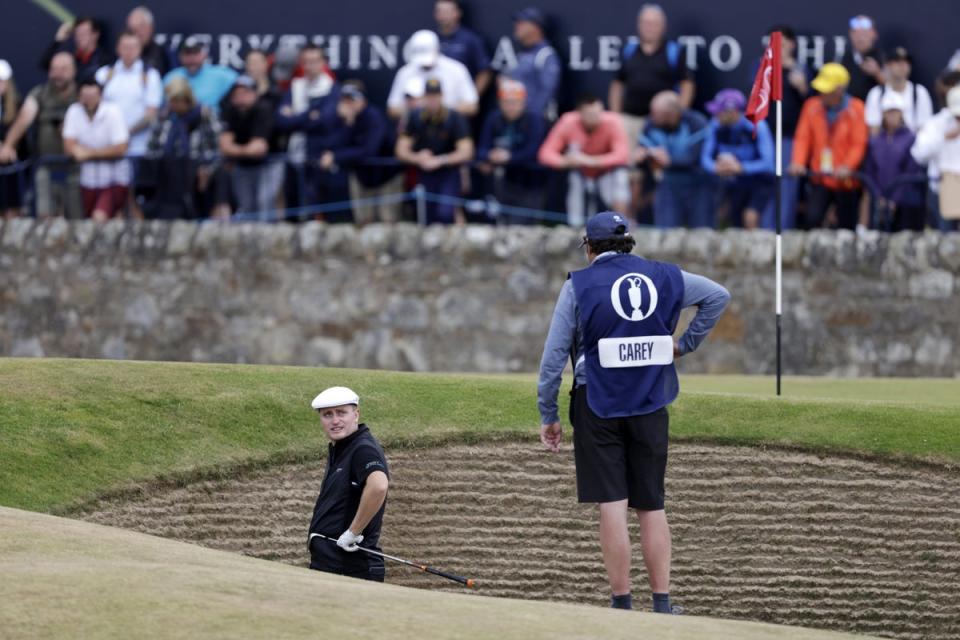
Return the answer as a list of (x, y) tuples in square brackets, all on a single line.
[(353, 495), (615, 319)]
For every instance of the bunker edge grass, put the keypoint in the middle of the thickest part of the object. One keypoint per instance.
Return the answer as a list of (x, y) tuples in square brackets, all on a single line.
[(71, 430)]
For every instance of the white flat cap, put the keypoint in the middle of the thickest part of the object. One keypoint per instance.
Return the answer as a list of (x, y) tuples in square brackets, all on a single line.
[(335, 397)]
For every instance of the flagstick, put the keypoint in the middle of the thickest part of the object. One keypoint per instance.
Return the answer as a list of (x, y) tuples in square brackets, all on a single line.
[(779, 252)]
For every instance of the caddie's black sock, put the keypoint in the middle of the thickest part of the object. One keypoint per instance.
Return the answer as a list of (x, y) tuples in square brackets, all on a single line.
[(622, 602), (661, 603)]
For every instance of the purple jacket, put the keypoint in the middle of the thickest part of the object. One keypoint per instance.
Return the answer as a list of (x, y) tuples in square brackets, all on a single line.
[(888, 160)]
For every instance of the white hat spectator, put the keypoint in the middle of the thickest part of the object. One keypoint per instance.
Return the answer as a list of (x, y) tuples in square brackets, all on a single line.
[(424, 48), (893, 101), (414, 87), (335, 397), (6, 71), (953, 101)]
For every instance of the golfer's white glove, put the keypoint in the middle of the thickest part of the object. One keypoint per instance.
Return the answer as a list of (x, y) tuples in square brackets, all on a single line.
[(349, 540)]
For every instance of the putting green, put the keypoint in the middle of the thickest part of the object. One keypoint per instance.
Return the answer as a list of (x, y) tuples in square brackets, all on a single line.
[(64, 578)]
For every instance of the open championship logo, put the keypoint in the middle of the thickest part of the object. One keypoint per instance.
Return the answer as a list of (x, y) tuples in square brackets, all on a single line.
[(636, 282)]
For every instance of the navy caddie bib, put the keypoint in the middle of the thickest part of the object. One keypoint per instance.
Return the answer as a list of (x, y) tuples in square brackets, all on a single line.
[(629, 308)]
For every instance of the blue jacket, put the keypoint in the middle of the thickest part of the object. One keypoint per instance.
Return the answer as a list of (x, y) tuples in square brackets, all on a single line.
[(754, 154), (318, 121), (538, 69), (684, 144), (522, 138), (370, 137)]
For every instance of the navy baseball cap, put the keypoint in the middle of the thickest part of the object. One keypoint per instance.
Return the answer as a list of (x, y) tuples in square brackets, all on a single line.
[(531, 14), (246, 82), (606, 226)]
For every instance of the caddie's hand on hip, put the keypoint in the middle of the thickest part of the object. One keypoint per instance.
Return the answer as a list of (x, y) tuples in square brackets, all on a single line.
[(349, 540), (550, 436)]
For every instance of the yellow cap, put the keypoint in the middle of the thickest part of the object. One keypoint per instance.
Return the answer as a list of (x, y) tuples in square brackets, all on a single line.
[(832, 76)]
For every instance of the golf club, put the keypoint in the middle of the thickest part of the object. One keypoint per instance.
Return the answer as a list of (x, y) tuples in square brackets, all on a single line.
[(468, 582)]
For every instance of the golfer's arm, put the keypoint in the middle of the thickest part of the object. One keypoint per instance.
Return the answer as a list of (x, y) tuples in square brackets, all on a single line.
[(374, 493), (560, 340), (710, 299)]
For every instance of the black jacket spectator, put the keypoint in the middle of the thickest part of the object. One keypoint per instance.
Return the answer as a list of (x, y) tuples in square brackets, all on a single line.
[(245, 125), (84, 46), (370, 137)]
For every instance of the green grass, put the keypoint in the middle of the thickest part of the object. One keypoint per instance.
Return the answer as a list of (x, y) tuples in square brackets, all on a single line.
[(69, 579), (72, 429)]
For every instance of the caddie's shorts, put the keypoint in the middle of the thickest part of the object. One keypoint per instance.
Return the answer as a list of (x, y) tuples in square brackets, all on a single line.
[(619, 458)]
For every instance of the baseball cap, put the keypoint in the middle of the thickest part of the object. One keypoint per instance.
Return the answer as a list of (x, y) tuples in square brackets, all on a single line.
[(352, 89), (432, 86), (893, 101), (6, 71), (606, 226), (899, 54), (861, 22), (246, 82), (191, 44), (424, 48), (335, 397), (531, 14), (727, 99), (414, 87), (953, 101), (832, 76)]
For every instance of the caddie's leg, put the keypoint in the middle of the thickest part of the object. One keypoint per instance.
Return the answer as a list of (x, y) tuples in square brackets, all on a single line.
[(615, 544), (657, 549)]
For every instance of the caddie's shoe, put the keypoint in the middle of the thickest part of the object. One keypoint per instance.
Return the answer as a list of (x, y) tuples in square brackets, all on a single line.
[(676, 610)]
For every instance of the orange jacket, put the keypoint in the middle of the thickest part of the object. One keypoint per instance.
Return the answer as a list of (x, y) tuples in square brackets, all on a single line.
[(847, 140)]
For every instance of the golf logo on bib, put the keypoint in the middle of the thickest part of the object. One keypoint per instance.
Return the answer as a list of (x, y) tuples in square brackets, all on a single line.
[(639, 294)]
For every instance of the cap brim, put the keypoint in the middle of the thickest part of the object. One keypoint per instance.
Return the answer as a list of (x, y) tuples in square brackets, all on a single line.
[(824, 86), (425, 59)]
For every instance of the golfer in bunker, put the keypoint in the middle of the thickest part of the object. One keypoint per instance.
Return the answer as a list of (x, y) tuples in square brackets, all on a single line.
[(615, 319), (353, 496)]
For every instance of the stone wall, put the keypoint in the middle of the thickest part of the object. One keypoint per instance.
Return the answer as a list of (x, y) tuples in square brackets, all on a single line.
[(464, 299)]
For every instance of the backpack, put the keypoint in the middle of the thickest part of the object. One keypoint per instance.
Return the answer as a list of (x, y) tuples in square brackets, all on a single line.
[(673, 51)]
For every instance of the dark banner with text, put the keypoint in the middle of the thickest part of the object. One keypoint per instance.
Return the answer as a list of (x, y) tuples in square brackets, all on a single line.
[(721, 41)]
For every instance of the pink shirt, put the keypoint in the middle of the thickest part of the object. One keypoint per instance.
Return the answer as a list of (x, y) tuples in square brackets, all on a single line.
[(607, 143)]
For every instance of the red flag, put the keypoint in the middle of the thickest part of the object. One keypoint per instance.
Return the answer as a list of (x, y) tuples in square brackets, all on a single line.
[(768, 85)]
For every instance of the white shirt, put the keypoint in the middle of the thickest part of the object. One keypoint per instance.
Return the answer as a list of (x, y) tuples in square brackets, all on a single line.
[(932, 146), (134, 92), (919, 107), (458, 87), (105, 129)]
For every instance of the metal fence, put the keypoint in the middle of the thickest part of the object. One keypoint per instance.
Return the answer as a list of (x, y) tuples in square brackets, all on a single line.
[(484, 204)]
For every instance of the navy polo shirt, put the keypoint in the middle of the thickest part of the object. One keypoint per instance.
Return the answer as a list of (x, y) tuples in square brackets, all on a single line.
[(463, 45)]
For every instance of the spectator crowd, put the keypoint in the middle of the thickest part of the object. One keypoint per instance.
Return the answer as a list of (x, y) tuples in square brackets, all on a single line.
[(138, 130)]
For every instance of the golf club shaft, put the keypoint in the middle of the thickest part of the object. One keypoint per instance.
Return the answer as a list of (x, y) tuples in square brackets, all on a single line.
[(416, 565)]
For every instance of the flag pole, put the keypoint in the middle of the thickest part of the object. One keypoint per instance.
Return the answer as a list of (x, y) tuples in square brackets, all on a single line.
[(767, 88), (778, 98), (779, 251)]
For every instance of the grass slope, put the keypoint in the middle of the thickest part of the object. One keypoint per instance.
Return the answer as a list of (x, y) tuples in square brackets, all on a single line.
[(71, 429), (65, 578)]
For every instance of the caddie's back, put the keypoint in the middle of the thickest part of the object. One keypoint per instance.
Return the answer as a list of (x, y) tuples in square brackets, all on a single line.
[(629, 308)]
